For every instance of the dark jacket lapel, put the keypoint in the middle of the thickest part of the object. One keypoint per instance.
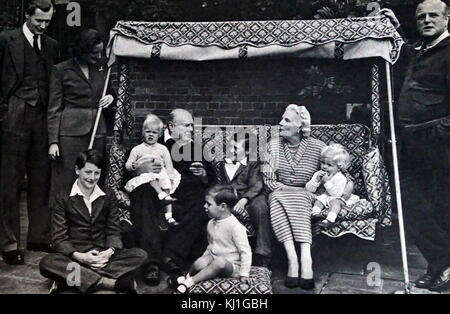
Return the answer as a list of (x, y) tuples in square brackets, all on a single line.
[(224, 172), (97, 207), (76, 68), (17, 52), (238, 171), (80, 206)]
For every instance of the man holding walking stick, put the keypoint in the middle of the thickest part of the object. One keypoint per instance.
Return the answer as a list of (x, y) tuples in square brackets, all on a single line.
[(424, 119)]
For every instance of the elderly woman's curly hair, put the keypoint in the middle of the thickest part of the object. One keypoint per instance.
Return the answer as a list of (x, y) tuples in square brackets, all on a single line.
[(85, 42), (303, 117)]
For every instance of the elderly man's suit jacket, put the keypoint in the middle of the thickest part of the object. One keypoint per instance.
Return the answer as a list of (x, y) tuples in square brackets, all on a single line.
[(12, 54), (247, 180), (74, 229), (74, 100)]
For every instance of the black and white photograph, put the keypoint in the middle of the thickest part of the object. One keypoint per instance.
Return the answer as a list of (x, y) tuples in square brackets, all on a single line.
[(219, 153)]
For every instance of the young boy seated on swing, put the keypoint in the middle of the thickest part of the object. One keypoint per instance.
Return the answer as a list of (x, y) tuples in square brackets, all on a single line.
[(228, 253)]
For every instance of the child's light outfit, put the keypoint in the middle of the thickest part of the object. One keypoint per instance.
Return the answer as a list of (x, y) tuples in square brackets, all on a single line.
[(228, 238), (334, 189), (168, 177)]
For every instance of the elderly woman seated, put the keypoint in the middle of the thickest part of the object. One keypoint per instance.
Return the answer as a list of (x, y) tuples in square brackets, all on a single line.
[(290, 162)]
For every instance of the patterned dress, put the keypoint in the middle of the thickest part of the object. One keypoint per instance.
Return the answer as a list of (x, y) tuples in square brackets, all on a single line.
[(284, 165)]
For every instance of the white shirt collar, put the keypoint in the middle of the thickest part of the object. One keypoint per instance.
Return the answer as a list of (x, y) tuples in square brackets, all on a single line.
[(167, 135), (29, 35), (95, 194), (242, 162), (444, 35)]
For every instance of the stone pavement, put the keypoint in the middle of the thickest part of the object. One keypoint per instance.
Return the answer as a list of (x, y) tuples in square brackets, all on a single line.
[(345, 265)]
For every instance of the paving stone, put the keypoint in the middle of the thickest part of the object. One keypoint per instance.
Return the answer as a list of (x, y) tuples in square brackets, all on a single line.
[(21, 286), (28, 272), (34, 257), (350, 284), (396, 272)]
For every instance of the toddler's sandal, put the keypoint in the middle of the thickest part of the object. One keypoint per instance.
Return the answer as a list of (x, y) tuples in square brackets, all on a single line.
[(174, 281), (172, 222), (326, 224), (181, 289)]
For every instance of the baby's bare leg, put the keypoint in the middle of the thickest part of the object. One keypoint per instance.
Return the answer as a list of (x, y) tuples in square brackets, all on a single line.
[(317, 208), (204, 268), (335, 208), (155, 185), (219, 266)]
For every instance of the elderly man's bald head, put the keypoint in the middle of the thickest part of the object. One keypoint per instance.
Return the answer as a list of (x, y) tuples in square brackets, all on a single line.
[(432, 19), (440, 3), (181, 124), (179, 113)]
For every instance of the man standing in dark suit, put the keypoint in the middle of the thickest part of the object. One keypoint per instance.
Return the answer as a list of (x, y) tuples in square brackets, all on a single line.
[(424, 118), (245, 177), (26, 58)]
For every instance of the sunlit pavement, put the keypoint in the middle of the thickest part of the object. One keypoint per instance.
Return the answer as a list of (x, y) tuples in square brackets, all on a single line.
[(345, 265)]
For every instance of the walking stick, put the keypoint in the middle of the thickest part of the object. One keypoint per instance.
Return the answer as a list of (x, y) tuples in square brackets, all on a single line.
[(99, 111), (397, 180)]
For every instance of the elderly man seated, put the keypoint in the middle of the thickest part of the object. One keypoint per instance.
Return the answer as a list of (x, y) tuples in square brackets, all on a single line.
[(86, 236)]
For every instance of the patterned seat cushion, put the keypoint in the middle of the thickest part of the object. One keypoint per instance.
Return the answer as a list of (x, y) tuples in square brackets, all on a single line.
[(259, 284), (367, 170)]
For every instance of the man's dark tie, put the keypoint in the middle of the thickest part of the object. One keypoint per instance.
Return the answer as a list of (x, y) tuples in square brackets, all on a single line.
[(36, 45)]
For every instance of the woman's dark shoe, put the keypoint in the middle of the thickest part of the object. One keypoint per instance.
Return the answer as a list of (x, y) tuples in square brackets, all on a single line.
[(425, 281), (13, 257), (291, 282), (152, 277), (306, 284), (326, 224)]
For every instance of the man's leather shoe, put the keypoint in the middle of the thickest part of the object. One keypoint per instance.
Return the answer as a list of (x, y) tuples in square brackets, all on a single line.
[(13, 257), (326, 224), (40, 247), (172, 269), (261, 261), (425, 281), (442, 283), (152, 277), (126, 284)]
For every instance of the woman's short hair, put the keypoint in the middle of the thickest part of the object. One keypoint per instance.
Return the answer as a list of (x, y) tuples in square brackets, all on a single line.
[(152, 119), (303, 116), (338, 154), (43, 5), (223, 194), (85, 42), (92, 156)]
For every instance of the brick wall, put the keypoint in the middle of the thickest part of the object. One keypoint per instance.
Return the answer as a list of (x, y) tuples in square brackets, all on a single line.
[(9, 14), (240, 91)]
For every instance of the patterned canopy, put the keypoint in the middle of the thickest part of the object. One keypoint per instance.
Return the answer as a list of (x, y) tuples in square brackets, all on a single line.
[(350, 38)]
